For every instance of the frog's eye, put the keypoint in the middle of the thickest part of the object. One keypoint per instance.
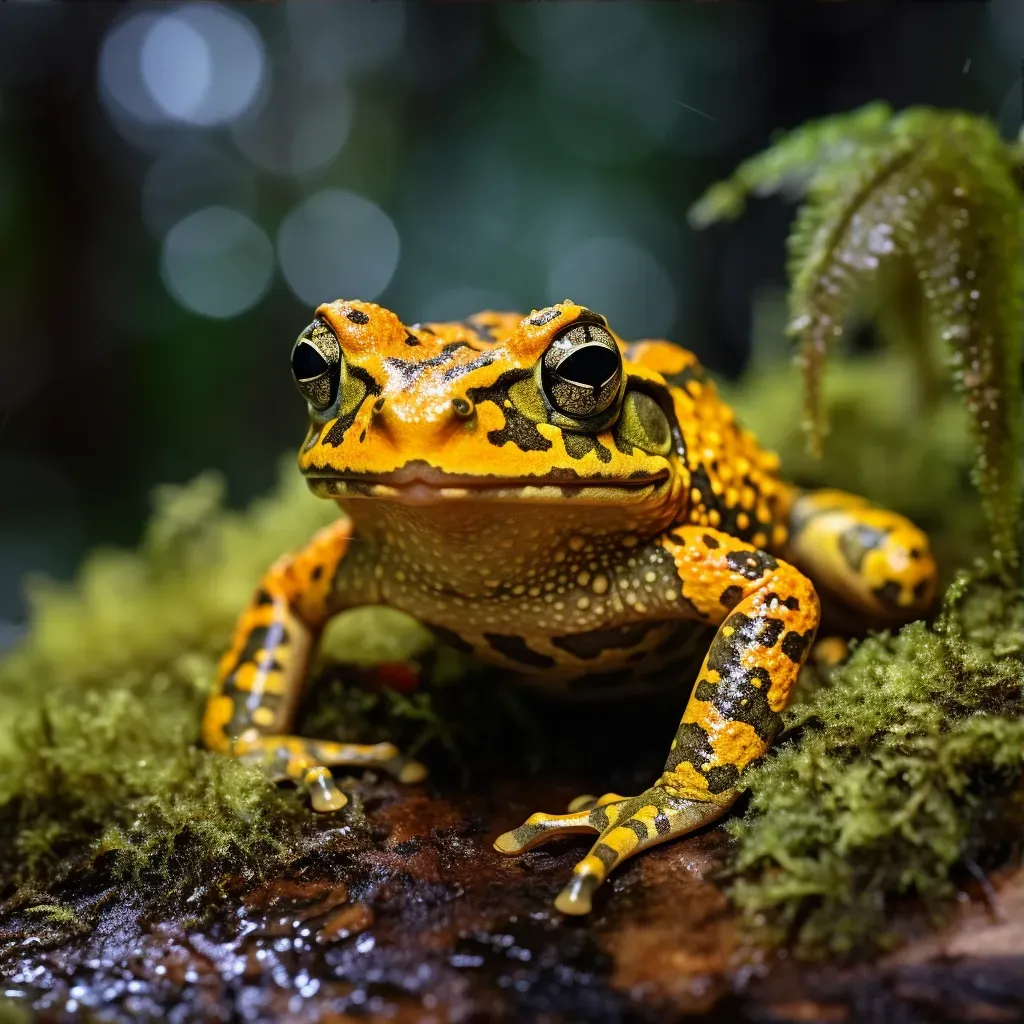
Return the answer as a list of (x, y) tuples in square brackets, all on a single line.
[(582, 370), (316, 365)]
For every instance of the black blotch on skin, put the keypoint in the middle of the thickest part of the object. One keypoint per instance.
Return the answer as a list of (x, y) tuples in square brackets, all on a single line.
[(692, 746), (661, 824), (336, 435), (710, 541), (410, 369), (752, 565), (606, 855), (771, 630), (357, 316), (457, 370), (722, 777), (451, 639), (741, 695), (731, 596), (578, 445), (794, 645), (516, 648), (518, 429), (411, 341), (857, 541), (317, 572), (638, 828), (262, 598), (362, 435), (378, 405), (254, 643), (595, 642), (545, 317), (789, 602)]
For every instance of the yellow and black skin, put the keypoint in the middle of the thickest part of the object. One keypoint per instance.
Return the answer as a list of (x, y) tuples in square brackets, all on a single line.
[(582, 510)]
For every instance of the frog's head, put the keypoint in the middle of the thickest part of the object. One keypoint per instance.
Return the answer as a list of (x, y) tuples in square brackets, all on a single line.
[(539, 410)]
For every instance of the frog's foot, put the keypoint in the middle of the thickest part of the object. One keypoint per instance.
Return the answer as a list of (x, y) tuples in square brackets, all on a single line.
[(307, 763), (586, 814), (625, 826)]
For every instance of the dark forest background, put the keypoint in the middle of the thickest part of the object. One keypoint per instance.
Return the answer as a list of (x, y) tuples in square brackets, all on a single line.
[(181, 185)]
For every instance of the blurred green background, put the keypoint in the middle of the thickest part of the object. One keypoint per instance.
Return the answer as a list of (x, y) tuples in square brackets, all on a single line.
[(181, 185)]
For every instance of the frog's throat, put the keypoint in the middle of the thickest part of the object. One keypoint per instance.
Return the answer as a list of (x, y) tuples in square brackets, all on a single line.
[(459, 545)]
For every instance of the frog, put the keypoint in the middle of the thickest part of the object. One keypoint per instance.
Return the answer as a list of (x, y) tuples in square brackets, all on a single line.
[(584, 512)]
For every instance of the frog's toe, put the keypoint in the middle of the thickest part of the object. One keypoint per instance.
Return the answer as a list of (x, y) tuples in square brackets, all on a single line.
[(587, 801), (323, 791), (405, 769), (307, 763), (593, 814)]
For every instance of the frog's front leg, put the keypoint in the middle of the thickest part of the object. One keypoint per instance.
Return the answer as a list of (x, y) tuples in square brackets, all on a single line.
[(767, 613), (259, 680)]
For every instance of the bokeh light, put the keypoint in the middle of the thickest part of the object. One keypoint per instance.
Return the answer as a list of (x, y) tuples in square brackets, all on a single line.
[(336, 244), (298, 128), (217, 262), (200, 64)]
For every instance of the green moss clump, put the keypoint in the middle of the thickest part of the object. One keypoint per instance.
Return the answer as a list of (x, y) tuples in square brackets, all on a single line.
[(904, 766), (100, 706)]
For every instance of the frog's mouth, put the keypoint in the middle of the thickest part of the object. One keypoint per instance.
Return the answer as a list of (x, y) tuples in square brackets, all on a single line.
[(419, 483)]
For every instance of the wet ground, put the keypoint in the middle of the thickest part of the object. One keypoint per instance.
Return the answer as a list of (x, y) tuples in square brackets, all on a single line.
[(416, 919)]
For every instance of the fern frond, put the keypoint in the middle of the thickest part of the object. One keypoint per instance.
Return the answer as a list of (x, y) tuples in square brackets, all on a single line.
[(928, 200)]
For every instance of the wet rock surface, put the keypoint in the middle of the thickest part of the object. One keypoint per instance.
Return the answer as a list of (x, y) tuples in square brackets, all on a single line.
[(413, 917)]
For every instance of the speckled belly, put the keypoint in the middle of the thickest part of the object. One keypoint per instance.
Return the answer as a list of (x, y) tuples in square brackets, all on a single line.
[(607, 662)]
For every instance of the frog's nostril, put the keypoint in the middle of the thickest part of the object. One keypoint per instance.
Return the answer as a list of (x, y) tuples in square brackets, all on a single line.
[(463, 408)]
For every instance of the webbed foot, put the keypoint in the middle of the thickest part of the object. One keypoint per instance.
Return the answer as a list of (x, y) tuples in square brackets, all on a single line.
[(625, 826), (308, 763)]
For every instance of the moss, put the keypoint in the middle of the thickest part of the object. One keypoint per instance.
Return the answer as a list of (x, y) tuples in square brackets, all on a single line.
[(101, 704), (904, 766)]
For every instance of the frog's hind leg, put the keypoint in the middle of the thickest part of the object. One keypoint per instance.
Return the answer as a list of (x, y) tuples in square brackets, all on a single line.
[(768, 615), (259, 680), (874, 560)]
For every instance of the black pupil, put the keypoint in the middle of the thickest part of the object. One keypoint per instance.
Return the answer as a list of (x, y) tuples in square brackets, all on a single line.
[(590, 366), (307, 363)]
